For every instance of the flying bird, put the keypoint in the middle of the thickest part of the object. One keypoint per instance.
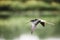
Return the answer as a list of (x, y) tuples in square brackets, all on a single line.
[(35, 22)]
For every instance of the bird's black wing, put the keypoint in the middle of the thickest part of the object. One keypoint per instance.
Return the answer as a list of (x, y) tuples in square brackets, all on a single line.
[(42, 23)]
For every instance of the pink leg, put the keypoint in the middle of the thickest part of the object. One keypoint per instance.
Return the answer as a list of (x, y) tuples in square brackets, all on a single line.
[(33, 28)]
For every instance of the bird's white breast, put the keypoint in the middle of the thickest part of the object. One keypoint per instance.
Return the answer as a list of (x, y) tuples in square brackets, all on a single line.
[(32, 24)]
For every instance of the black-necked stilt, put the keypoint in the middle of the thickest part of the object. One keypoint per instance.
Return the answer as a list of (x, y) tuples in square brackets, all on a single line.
[(35, 22)]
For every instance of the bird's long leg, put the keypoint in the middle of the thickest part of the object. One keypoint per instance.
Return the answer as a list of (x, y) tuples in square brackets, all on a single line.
[(33, 28)]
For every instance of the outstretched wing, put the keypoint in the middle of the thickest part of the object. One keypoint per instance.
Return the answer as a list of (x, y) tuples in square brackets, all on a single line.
[(42, 23)]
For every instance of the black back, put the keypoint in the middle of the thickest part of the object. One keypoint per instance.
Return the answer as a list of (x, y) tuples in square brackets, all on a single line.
[(38, 21)]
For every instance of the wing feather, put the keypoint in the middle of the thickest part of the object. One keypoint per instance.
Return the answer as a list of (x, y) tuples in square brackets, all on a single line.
[(42, 23)]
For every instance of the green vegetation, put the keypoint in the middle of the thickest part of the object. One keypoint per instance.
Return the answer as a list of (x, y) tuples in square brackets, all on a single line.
[(16, 25), (18, 5)]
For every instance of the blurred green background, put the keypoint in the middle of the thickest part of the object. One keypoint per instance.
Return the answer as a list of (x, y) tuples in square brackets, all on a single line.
[(14, 15)]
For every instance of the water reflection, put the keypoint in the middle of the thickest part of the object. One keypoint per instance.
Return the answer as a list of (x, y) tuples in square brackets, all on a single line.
[(2, 39), (52, 38), (34, 37), (27, 37)]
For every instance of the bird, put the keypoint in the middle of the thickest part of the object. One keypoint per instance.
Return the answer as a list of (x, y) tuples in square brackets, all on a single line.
[(35, 22)]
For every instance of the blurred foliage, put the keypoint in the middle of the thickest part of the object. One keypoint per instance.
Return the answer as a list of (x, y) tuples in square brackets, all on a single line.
[(30, 4), (57, 31), (16, 24)]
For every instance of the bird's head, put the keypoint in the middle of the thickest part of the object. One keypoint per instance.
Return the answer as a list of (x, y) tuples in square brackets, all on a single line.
[(33, 20)]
